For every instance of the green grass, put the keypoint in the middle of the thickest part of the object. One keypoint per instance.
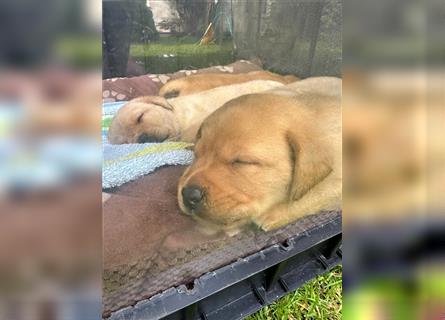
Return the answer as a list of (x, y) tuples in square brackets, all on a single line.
[(178, 46), (187, 54), (419, 297), (80, 51), (320, 298)]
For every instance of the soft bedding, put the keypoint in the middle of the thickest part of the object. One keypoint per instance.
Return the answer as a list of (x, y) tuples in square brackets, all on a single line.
[(123, 89), (126, 162)]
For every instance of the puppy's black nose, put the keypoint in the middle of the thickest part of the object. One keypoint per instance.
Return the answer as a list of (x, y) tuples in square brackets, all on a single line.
[(145, 138), (192, 196)]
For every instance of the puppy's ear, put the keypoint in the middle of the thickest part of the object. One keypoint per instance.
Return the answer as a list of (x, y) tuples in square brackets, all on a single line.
[(159, 101), (311, 161)]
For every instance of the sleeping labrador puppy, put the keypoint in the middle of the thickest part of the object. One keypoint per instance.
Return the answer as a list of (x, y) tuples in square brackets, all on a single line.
[(267, 158), (201, 82), (156, 119)]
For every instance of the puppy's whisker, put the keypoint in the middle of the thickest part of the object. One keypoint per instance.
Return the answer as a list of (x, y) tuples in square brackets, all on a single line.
[(228, 201)]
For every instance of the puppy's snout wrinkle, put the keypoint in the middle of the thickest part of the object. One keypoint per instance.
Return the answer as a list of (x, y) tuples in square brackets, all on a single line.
[(192, 196)]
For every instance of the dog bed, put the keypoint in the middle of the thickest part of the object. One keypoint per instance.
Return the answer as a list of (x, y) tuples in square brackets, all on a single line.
[(149, 246), (122, 89)]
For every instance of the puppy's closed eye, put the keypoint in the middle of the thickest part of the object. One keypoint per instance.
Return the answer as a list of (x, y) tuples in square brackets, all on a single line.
[(171, 94), (243, 162), (139, 118)]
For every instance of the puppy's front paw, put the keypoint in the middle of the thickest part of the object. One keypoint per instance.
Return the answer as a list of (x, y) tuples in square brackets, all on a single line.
[(273, 219)]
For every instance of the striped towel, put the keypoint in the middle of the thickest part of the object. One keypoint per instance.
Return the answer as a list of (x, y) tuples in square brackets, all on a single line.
[(126, 162), (109, 109)]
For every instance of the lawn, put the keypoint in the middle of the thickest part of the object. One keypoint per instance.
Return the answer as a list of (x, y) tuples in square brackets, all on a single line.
[(81, 51), (320, 298), (170, 54)]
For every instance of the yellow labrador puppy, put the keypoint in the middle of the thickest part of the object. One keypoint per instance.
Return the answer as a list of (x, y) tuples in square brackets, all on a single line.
[(267, 158), (156, 119), (201, 82)]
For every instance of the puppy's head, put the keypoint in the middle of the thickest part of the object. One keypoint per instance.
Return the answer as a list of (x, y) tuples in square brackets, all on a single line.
[(254, 153), (145, 119)]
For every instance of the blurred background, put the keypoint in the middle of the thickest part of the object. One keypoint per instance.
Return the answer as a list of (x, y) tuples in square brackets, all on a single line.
[(163, 36), (393, 125), (393, 159), (50, 158)]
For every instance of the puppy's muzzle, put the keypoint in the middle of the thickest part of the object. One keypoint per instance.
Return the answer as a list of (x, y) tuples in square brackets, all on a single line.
[(146, 138), (192, 196)]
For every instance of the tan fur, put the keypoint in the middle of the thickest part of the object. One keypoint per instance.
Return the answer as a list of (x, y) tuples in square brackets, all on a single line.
[(201, 82), (269, 158), (178, 118)]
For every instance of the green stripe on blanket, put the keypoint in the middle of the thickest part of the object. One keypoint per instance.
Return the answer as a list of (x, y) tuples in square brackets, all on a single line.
[(162, 147), (106, 122)]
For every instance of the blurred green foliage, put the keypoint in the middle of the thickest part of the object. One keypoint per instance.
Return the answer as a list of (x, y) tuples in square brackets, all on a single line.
[(171, 54), (80, 51)]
